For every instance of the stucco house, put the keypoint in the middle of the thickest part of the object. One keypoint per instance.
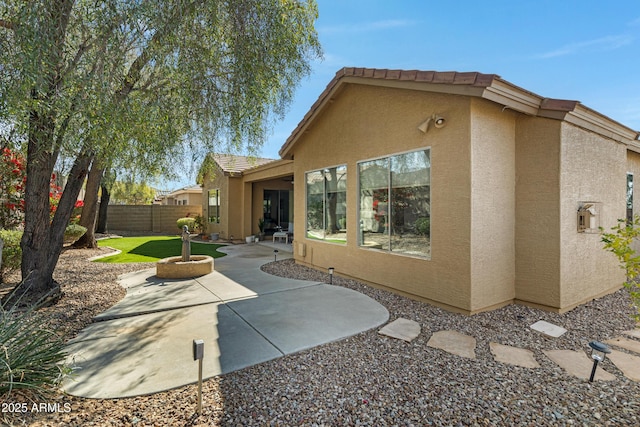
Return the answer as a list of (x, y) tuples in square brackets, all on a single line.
[(191, 195), (240, 190), (459, 189)]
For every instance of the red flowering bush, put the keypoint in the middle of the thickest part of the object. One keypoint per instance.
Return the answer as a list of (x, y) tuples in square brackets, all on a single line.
[(12, 184)]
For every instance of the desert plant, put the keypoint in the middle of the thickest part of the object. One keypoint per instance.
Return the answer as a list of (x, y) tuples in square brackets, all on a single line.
[(31, 355), (620, 242), (198, 223), (73, 232), (11, 252), (188, 221), (423, 225)]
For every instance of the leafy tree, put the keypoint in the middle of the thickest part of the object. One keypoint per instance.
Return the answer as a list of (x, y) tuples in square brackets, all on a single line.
[(620, 242), (132, 193), (89, 81)]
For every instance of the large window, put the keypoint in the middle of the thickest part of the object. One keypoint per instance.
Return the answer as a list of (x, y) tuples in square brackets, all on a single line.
[(327, 204), (395, 203), (214, 206)]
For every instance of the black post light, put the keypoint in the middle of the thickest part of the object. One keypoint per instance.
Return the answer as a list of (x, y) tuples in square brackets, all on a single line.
[(275, 254), (599, 352), (331, 270)]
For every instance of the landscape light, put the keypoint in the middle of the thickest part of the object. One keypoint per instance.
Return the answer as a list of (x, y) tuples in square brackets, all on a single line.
[(275, 254), (599, 352), (331, 269)]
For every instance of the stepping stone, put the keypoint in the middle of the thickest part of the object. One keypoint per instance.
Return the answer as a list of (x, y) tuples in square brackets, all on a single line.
[(633, 333), (403, 329), (627, 363), (548, 329), (578, 364), (513, 355), (625, 343), (454, 342)]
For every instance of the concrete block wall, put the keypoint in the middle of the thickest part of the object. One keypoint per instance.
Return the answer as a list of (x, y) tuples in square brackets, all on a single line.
[(149, 218)]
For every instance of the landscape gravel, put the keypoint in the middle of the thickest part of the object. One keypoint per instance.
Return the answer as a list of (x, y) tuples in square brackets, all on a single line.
[(368, 379)]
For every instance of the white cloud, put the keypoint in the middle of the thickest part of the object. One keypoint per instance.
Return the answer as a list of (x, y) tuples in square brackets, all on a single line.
[(366, 26), (601, 44)]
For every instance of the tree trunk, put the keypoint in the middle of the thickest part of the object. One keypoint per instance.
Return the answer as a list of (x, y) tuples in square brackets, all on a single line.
[(42, 239), (104, 205), (90, 208)]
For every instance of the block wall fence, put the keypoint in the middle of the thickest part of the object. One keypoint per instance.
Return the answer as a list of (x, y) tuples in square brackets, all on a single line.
[(148, 218)]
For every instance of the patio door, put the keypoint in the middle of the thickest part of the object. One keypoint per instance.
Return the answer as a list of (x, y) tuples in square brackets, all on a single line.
[(277, 209)]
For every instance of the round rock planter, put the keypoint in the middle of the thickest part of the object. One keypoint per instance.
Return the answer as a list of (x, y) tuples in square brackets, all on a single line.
[(175, 268)]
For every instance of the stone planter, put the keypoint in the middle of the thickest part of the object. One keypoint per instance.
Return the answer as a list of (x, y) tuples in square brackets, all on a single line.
[(175, 268)]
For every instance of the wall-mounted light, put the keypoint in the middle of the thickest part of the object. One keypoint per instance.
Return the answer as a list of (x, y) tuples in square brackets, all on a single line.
[(437, 120)]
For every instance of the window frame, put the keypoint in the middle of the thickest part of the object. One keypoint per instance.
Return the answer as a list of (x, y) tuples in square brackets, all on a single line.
[(388, 157), (324, 203)]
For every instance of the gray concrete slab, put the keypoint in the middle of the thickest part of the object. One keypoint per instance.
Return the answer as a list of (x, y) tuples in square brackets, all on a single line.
[(302, 318), (151, 353), (244, 316), (155, 294)]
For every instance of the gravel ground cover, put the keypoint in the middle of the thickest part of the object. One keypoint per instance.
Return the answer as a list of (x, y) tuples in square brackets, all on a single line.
[(368, 379)]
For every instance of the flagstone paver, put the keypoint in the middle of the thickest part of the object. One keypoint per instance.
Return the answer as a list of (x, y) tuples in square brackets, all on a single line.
[(627, 363), (578, 364), (633, 333), (401, 328), (513, 355), (625, 343), (454, 342)]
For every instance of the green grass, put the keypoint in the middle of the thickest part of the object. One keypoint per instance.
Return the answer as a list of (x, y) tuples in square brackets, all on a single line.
[(153, 248)]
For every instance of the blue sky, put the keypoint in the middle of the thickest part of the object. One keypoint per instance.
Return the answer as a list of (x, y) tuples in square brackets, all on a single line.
[(582, 50)]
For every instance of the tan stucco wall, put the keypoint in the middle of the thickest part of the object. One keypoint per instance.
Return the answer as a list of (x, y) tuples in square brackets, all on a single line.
[(367, 122), (230, 204), (492, 205), (537, 211), (593, 169)]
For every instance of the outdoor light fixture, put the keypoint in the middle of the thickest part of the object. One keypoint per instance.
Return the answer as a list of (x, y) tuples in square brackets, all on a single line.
[(599, 352), (331, 270), (438, 123), (275, 254)]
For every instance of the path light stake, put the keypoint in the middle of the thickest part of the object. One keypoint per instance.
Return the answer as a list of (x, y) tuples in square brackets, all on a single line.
[(275, 254), (331, 270), (198, 354), (599, 352)]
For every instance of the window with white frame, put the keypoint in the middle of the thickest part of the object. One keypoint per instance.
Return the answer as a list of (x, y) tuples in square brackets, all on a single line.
[(327, 204), (395, 203)]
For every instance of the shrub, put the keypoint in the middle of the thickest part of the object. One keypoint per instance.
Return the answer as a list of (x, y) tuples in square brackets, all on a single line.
[(423, 225), (189, 222), (73, 232), (11, 252), (31, 356)]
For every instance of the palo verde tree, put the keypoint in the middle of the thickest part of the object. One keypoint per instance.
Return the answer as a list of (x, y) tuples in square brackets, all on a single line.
[(88, 80)]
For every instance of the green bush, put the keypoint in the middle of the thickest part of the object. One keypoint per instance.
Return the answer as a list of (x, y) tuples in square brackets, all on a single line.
[(189, 222), (423, 226), (73, 232), (11, 252), (31, 356)]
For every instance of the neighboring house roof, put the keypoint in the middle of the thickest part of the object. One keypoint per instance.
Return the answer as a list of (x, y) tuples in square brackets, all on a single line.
[(235, 165), (488, 86), (191, 189)]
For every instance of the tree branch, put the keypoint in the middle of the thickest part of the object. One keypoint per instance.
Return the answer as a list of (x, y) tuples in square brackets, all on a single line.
[(7, 24)]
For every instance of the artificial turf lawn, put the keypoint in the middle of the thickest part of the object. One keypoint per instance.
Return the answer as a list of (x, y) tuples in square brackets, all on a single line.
[(153, 248)]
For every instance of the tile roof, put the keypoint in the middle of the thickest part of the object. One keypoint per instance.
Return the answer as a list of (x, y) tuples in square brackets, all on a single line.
[(232, 164), (488, 86)]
